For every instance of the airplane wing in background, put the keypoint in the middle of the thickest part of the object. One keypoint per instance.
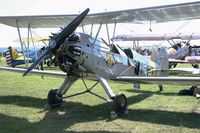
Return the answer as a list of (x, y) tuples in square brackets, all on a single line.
[(188, 60), (186, 70), (177, 61), (156, 37), (165, 13), (194, 71)]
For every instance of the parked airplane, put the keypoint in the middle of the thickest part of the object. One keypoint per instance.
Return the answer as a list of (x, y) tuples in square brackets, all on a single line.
[(179, 52), (81, 56), (15, 58)]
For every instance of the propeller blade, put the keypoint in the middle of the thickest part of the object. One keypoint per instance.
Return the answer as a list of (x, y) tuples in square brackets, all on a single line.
[(70, 28), (57, 40), (36, 62)]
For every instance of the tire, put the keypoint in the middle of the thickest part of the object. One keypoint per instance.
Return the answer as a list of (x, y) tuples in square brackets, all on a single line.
[(49, 63), (120, 104), (160, 86), (53, 99), (195, 66)]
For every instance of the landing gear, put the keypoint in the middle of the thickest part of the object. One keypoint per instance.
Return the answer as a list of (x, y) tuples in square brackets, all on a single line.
[(119, 101), (160, 86), (49, 63), (195, 66), (120, 104), (54, 100)]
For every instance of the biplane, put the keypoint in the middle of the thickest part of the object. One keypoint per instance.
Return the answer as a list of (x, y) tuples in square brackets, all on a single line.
[(178, 52), (83, 56)]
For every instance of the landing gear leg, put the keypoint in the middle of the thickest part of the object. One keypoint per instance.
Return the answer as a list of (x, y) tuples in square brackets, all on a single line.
[(55, 96), (119, 101)]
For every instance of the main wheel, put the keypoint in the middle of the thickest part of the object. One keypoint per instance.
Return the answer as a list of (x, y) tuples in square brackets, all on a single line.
[(120, 104), (160, 86), (49, 63), (54, 100), (195, 66)]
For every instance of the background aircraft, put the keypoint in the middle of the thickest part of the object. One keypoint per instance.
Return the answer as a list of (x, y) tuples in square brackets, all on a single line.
[(178, 52), (14, 57), (80, 55)]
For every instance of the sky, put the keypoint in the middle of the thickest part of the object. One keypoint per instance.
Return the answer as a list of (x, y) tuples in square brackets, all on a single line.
[(52, 7)]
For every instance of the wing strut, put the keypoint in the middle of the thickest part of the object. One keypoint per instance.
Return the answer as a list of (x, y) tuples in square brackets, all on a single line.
[(113, 35), (20, 39)]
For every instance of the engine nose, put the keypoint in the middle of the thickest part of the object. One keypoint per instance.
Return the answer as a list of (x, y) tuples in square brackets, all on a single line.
[(75, 50)]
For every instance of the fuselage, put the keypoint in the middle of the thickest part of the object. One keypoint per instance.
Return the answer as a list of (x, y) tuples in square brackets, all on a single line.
[(89, 56)]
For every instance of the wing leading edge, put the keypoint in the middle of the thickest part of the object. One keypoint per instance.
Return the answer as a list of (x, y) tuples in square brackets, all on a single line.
[(145, 80), (36, 72), (156, 37), (165, 13), (161, 80)]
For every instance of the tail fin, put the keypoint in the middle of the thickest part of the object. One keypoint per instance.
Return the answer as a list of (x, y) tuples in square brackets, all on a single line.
[(160, 57), (10, 55)]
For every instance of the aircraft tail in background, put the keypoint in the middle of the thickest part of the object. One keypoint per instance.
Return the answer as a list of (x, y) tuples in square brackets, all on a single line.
[(13, 58), (11, 54)]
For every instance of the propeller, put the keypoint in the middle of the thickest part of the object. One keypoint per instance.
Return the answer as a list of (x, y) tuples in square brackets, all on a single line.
[(57, 40)]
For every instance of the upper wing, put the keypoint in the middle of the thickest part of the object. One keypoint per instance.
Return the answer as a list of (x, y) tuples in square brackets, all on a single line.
[(173, 12), (156, 37), (160, 80), (37, 72)]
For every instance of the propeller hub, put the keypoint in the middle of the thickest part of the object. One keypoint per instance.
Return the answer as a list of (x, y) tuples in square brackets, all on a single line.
[(52, 44), (59, 39)]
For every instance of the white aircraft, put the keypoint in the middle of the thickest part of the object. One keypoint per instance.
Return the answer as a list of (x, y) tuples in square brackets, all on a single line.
[(81, 56), (178, 53)]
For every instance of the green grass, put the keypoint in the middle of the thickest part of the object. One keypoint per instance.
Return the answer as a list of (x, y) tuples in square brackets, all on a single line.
[(23, 108)]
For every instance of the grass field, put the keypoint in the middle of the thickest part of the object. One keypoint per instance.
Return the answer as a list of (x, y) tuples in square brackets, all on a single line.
[(23, 108)]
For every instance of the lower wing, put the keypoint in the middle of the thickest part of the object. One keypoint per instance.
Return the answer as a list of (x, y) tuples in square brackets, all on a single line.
[(160, 80), (36, 72)]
